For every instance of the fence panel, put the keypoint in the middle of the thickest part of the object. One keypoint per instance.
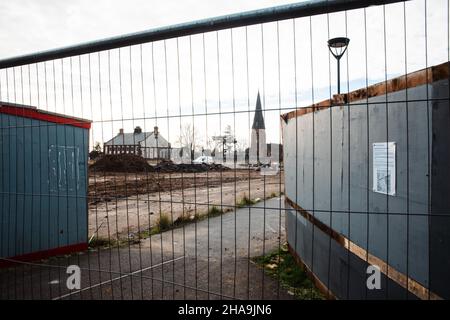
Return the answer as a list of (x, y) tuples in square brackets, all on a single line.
[(299, 152)]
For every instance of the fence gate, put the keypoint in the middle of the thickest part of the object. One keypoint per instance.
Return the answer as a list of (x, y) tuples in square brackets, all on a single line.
[(299, 151)]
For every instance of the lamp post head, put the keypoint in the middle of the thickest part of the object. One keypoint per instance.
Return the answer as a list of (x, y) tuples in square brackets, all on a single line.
[(338, 46)]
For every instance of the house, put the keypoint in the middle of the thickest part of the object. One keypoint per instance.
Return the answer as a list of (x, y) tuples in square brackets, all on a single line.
[(150, 145)]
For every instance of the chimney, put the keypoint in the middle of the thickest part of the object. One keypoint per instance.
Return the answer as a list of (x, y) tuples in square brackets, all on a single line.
[(120, 131), (137, 130)]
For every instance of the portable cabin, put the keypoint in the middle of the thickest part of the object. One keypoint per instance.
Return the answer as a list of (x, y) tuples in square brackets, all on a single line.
[(43, 182)]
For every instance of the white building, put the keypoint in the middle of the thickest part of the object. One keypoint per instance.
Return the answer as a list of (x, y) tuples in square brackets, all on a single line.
[(150, 145)]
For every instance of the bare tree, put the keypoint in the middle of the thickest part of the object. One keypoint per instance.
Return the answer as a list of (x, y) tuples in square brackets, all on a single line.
[(188, 137), (96, 151), (97, 147)]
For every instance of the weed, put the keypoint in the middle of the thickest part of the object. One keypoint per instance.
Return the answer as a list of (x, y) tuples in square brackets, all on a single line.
[(273, 195), (214, 211), (184, 219), (164, 222), (281, 265), (145, 233), (245, 201), (105, 243), (99, 242)]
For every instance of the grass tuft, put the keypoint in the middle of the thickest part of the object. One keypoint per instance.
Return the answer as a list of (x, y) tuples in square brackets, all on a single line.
[(106, 243), (214, 211), (99, 242), (281, 265), (245, 201), (273, 195), (164, 222)]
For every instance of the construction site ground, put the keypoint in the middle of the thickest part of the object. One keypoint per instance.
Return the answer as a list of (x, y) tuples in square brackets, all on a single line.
[(121, 205)]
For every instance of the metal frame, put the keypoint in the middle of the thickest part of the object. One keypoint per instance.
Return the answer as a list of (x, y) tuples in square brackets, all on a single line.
[(409, 270), (247, 18)]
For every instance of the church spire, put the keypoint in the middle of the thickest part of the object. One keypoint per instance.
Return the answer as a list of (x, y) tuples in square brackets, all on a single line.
[(258, 120)]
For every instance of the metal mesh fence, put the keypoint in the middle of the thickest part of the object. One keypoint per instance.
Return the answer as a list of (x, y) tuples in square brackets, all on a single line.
[(197, 161)]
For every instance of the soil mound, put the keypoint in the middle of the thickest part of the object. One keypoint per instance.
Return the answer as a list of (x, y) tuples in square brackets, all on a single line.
[(169, 166), (122, 163), (134, 163)]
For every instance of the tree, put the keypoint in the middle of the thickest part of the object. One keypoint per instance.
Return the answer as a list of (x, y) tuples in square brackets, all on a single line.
[(227, 144), (188, 137), (98, 147), (96, 151)]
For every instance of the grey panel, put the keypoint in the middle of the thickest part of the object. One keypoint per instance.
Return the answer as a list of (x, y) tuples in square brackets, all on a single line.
[(440, 200), (393, 228), (338, 269)]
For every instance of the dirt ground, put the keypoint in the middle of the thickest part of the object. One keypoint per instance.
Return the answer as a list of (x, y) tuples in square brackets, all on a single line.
[(122, 204)]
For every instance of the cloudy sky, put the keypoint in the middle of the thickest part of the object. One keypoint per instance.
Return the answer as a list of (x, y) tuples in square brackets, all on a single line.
[(209, 80), (33, 25)]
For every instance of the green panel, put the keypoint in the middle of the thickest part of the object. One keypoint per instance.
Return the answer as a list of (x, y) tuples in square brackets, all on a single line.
[(43, 175)]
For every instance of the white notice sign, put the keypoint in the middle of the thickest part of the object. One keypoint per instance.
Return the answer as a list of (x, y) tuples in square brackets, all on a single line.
[(384, 167)]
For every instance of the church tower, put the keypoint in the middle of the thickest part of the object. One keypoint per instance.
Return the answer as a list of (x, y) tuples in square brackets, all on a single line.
[(258, 148)]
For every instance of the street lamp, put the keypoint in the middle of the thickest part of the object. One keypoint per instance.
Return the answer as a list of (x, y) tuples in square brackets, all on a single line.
[(337, 47), (224, 141), (235, 151), (155, 134)]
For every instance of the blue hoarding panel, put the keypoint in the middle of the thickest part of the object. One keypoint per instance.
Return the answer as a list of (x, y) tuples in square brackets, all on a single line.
[(43, 185)]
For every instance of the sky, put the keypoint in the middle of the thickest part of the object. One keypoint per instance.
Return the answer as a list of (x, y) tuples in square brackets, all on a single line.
[(208, 80)]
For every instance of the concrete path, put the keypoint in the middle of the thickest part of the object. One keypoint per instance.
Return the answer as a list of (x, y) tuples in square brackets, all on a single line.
[(203, 260)]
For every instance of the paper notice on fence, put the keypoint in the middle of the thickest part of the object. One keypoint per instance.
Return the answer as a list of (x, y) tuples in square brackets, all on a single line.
[(384, 167)]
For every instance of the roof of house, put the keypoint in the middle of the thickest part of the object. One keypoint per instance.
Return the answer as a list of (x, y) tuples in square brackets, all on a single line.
[(136, 138), (258, 120), (162, 142), (410, 80), (128, 138), (32, 112)]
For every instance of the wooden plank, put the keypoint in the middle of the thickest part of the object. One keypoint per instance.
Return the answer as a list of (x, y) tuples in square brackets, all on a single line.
[(410, 80), (317, 282), (406, 282), (302, 111)]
